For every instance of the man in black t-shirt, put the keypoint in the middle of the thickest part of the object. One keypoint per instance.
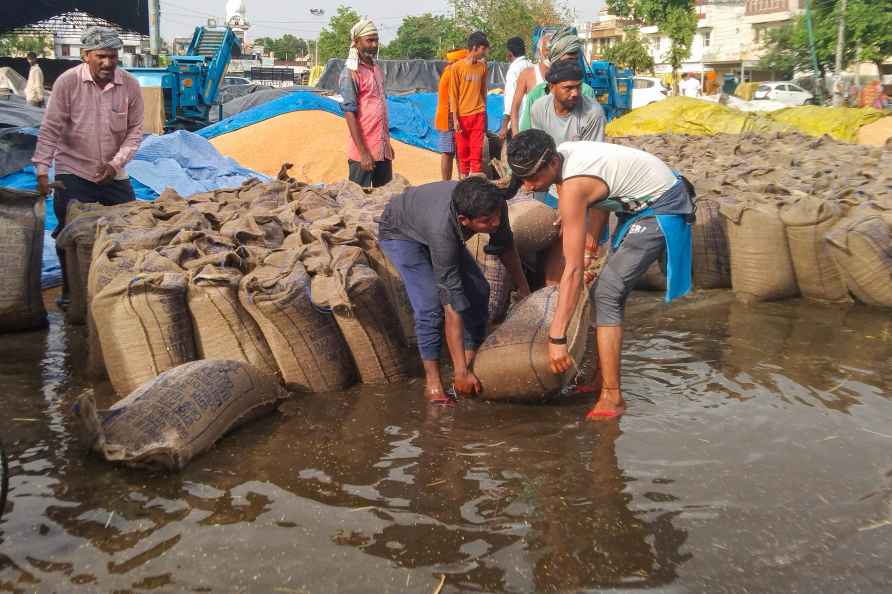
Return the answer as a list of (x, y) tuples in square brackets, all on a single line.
[(423, 233)]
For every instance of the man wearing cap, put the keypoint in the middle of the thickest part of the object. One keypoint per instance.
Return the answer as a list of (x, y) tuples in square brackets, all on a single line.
[(654, 209), (369, 152), (565, 46), (568, 116), (92, 128)]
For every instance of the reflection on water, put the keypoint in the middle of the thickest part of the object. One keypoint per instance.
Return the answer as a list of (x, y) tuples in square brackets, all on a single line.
[(753, 457)]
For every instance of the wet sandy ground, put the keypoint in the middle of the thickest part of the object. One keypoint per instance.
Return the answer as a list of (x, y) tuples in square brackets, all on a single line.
[(755, 457)]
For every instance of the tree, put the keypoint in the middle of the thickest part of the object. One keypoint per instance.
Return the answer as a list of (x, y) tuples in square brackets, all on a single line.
[(504, 19), (334, 40), (676, 18), (19, 45), (425, 37), (867, 27), (287, 47), (631, 53)]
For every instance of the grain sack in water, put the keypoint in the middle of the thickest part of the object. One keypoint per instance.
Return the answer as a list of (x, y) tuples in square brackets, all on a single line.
[(500, 282), (512, 363), (223, 329), (358, 299), (393, 284), (144, 327), (861, 247), (21, 255), (761, 265), (711, 266), (808, 220), (308, 348), (180, 414)]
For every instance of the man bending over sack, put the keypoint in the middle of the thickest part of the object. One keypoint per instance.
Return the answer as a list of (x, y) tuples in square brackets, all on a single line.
[(423, 233), (654, 208)]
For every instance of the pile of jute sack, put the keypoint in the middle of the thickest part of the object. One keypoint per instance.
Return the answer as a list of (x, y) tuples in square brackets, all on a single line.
[(786, 215)]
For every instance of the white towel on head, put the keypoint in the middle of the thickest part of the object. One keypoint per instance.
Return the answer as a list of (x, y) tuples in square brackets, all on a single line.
[(363, 28)]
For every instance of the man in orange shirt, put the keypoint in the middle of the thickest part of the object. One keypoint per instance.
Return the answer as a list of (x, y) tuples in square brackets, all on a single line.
[(467, 102), (443, 119)]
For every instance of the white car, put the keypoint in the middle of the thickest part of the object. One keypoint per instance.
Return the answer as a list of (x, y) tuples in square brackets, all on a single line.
[(783, 92), (647, 90)]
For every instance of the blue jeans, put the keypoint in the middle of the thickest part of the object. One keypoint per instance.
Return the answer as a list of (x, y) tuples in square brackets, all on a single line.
[(413, 261)]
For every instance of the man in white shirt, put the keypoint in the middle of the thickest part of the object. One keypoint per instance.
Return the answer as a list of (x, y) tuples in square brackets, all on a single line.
[(519, 63), (34, 89), (690, 86)]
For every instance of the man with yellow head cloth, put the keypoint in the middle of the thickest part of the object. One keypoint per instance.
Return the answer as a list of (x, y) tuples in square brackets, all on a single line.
[(369, 153)]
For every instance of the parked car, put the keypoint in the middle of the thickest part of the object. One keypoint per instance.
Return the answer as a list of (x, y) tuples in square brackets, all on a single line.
[(783, 92), (229, 81), (647, 90)]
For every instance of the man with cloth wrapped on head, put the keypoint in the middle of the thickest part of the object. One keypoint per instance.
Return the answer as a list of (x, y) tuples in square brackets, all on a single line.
[(369, 152), (654, 208), (565, 46), (92, 128)]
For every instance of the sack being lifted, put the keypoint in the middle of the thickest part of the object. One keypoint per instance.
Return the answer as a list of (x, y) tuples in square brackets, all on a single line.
[(512, 364), (861, 247), (21, 234), (168, 421)]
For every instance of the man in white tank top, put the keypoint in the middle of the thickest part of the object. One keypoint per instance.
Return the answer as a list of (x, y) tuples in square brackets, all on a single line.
[(654, 208)]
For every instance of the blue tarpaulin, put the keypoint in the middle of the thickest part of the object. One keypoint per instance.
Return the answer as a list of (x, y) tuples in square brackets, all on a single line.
[(411, 116)]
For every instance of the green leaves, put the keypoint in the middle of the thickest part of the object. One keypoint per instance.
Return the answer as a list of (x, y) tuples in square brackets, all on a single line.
[(676, 19), (425, 37), (631, 53), (13, 44), (334, 40)]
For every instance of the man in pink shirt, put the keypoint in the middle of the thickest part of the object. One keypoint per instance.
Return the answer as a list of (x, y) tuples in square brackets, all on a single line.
[(92, 128), (369, 152)]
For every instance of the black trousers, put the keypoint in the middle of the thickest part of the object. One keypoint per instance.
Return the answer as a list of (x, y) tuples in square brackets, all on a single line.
[(83, 190), (377, 177)]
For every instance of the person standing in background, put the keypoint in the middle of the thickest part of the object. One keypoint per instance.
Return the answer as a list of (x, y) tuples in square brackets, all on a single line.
[(527, 80), (443, 117), (690, 86), (467, 103), (91, 130), (519, 63), (369, 152), (34, 89)]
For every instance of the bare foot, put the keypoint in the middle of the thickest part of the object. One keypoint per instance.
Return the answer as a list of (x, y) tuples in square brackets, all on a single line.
[(609, 406), (436, 395)]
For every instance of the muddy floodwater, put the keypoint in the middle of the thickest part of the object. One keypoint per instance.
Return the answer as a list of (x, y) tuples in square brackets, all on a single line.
[(756, 456)]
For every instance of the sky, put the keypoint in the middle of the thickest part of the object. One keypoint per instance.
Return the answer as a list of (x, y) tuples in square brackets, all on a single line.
[(274, 18)]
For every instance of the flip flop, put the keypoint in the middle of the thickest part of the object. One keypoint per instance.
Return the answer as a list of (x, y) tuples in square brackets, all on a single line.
[(601, 414)]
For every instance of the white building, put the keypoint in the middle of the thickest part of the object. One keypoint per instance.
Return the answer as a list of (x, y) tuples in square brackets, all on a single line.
[(66, 30), (730, 36)]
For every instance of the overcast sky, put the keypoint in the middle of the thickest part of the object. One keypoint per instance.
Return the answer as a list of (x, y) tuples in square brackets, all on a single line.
[(274, 18)]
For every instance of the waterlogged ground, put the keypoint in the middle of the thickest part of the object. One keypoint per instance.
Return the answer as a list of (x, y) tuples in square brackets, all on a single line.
[(755, 457)]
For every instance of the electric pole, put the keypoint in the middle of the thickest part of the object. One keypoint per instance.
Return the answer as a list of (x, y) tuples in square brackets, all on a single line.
[(840, 51), (154, 30)]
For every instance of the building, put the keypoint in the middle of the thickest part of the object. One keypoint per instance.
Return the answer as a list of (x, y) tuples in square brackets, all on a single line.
[(66, 30), (730, 36)]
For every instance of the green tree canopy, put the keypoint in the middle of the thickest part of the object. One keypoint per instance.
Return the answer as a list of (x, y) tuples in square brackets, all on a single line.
[(425, 37), (503, 19), (19, 45), (334, 39), (677, 19), (868, 37), (631, 52), (286, 47)]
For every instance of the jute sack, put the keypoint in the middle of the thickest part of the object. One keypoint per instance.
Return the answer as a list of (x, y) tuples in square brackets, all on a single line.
[(358, 299), (393, 284), (144, 327), (255, 230), (495, 273), (170, 420), (76, 240), (861, 247), (309, 350), (761, 265), (808, 219), (512, 364), (21, 244), (711, 254), (223, 329), (533, 224)]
